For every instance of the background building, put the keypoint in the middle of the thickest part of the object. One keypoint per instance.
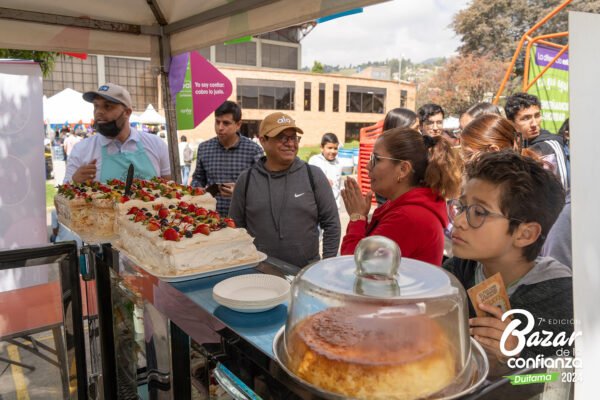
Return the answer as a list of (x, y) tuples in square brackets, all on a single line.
[(265, 73)]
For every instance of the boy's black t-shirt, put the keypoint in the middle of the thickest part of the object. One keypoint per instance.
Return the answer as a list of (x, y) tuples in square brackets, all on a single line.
[(550, 302)]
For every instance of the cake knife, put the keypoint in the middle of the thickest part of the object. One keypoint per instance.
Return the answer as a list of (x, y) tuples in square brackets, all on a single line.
[(129, 180)]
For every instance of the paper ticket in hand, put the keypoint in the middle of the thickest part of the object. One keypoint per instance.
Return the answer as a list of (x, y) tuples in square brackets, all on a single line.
[(491, 292)]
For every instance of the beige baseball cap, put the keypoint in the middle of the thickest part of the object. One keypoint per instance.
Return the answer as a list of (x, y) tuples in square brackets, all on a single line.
[(275, 123), (111, 92)]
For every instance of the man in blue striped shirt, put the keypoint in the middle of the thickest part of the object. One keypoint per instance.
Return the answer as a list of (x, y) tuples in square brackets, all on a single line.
[(223, 158)]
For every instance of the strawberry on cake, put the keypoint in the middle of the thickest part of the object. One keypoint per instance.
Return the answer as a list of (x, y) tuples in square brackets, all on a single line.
[(175, 239), (91, 208)]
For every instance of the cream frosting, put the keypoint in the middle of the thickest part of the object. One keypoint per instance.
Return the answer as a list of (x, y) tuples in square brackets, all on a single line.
[(99, 217), (200, 253)]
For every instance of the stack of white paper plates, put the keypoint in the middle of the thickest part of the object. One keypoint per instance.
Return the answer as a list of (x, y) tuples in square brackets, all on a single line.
[(251, 293)]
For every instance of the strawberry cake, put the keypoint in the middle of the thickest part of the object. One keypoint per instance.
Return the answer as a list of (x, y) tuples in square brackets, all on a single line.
[(91, 209), (183, 238)]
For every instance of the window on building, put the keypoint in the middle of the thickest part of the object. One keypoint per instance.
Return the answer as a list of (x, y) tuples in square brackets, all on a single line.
[(248, 96), (250, 127), (403, 98), (307, 94), (275, 56), (205, 52), (290, 35), (265, 94), (353, 130), (74, 73), (237, 53), (363, 99), (137, 77), (321, 97), (336, 98)]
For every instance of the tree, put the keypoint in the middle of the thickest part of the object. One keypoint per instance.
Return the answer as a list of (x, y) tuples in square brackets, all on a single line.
[(318, 67), (495, 27), (462, 82), (45, 58)]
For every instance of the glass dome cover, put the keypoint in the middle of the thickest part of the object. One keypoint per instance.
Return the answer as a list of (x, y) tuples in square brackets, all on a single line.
[(378, 326)]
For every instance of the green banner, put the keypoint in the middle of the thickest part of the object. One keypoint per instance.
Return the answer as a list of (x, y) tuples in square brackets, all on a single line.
[(184, 103), (552, 88), (532, 378)]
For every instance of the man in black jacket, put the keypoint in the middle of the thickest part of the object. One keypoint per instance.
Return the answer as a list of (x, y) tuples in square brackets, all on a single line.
[(524, 111), (507, 206)]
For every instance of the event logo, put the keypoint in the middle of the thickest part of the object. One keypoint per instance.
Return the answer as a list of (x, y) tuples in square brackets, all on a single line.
[(527, 337)]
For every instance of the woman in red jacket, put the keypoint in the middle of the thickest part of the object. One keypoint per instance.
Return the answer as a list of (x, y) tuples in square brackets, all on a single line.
[(416, 174)]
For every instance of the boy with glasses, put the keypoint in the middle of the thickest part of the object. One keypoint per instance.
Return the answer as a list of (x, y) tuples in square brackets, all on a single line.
[(281, 200), (507, 206), (431, 119)]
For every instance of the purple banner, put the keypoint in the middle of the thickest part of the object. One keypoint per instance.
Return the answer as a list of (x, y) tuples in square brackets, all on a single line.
[(544, 55), (177, 73)]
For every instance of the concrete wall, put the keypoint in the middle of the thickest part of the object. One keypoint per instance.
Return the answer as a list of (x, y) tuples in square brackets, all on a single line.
[(314, 123)]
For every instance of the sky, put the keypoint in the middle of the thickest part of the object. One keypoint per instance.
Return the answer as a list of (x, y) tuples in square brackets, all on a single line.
[(417, 29)]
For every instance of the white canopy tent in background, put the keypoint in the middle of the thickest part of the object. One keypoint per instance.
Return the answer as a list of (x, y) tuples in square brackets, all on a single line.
[(134, 118), (152, 28), (68, 106), (151, 117)]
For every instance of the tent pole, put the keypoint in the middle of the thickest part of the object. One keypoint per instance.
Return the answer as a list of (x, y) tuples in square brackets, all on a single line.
[(170, 114)]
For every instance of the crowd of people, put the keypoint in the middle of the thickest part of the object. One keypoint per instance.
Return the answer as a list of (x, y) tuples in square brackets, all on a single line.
[(494, 188)]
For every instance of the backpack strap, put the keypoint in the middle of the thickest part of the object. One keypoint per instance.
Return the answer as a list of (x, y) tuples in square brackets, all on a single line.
[(312, 186), (311, 179), (246, 184)]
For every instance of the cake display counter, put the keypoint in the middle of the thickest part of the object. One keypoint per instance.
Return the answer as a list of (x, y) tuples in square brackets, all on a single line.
[(172, 340)]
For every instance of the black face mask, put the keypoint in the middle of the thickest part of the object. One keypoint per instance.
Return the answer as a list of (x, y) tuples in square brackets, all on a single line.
[(109, 129)]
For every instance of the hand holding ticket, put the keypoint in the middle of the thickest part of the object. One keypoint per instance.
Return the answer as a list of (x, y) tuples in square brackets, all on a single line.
[(491, 292)]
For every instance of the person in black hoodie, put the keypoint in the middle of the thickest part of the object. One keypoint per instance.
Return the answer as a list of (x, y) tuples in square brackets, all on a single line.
[(508, 205), (524, 111), (281, 200)]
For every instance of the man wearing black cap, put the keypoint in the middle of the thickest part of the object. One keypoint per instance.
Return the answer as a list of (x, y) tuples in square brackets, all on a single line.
[(108, 155), (282, 201)]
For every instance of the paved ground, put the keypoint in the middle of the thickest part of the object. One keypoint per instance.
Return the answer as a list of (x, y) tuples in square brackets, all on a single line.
[(40, 380)]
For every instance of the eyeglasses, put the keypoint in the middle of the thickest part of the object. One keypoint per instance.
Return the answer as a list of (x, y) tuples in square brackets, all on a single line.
[(375, 158), (432, 123), (284, 139), (476, 214)]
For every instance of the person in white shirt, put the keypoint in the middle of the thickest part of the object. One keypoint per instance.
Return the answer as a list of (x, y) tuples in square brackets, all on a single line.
[(108, 155), (70, 141), (329, 163), (186, 156)]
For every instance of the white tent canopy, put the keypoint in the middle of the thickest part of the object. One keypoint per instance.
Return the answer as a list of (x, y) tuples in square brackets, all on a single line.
[(134, 118), (133, 27), (68, 106), (150, 116)]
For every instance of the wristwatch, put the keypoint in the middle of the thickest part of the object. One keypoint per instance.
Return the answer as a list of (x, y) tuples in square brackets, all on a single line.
[(357, 217)]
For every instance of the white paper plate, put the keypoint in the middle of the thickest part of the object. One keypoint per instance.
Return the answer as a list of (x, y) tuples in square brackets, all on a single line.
[(251, 293)]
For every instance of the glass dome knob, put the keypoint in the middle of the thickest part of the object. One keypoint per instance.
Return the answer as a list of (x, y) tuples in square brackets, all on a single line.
[(377, 257)]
